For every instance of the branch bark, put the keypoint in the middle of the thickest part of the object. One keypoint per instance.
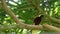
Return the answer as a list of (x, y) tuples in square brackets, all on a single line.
[(53, 19), (52, 28)]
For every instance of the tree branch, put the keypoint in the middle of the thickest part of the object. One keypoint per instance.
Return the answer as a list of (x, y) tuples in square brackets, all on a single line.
[(53, 19), (52, 28)]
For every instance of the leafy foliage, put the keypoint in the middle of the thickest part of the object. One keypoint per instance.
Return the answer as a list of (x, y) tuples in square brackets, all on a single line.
[(27, 12)]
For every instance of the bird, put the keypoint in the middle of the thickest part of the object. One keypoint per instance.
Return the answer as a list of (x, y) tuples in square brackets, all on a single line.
[(38, 19)]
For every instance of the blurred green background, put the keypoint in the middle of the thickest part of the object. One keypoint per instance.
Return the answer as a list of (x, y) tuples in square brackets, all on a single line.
[(26, 12)]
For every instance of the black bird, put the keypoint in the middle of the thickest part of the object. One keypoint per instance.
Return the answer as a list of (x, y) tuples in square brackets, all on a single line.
[(37, 20)]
